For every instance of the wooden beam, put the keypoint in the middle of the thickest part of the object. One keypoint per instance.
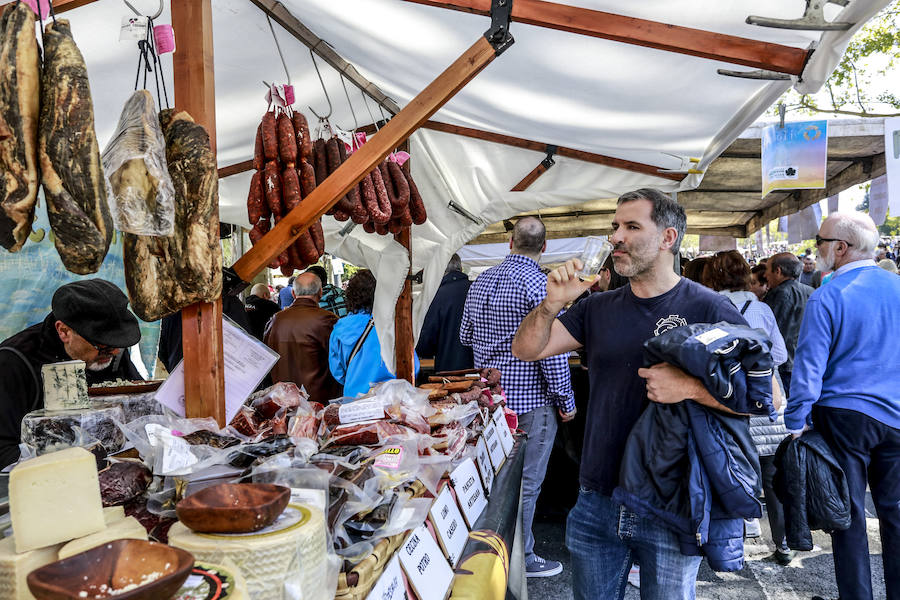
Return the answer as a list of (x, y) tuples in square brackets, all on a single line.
[(361, 162), (61, 6), (236, 168), (281, 15), (404, 348), (640, 32), (531, 177), (204, 368)]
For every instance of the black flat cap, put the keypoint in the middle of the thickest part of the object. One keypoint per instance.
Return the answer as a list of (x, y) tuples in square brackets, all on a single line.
[(98, 311)]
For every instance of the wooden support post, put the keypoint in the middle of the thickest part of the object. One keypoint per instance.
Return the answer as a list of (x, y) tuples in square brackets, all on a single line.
[(404, 348), (361, 162), (204, 369)]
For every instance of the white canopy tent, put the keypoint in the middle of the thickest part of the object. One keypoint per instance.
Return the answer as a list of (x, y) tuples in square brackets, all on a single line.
[(596, 95)]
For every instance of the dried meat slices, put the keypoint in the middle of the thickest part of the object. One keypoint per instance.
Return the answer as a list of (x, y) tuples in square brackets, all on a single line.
[(20, 80), (71, 171), (167, 273)]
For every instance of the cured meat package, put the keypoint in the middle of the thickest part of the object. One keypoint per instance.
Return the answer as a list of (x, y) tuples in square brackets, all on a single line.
[(20, 81), (167, 273), (142, 199), (71, 171)]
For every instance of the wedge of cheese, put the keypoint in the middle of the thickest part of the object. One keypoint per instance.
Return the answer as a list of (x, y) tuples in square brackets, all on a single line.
[(126, 528), (111, 514), (55, 498), (15, 567)]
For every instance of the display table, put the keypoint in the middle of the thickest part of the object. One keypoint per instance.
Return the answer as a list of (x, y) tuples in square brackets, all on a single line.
[(493, 561)]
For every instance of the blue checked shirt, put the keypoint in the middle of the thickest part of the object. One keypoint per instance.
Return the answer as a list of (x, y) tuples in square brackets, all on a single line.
[(498, 301)]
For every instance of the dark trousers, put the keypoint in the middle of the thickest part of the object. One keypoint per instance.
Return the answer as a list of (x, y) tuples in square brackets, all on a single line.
[(774, 508), (785, 380), (866, 449)]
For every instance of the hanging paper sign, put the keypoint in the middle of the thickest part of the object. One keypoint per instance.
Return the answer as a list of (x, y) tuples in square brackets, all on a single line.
[(133, 29), (794, 156), (506, 439), (469, 492), (892, 163), (164, 36), (449, 525), (280, 95), (45, 7), (484, 465), (390, 585), (425, 565), (495, 448)]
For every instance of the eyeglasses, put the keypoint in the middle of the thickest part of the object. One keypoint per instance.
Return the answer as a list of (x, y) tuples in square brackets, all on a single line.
[(821, 240), (105, 350)]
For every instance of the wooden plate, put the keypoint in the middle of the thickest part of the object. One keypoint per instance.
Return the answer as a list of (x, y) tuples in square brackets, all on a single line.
[(233, 507), (157, 570)]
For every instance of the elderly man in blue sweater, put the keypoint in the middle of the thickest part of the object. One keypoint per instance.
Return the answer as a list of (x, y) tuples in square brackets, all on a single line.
[(852, 398)]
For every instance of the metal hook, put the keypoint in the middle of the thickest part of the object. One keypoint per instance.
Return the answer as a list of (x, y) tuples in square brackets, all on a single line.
[(138, 13), (324, 91), (352, 112), (369, 110)]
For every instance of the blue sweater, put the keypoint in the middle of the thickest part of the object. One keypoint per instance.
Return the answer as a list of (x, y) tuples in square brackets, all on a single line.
[(367, 367), (846, 356)]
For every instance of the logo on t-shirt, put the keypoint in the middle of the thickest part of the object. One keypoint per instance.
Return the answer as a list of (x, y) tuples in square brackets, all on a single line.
[(667, 323)]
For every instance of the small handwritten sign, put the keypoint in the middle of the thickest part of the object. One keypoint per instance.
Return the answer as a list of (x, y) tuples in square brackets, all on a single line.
[(425, 565), (449, 525), (483, 459), (469, 493)]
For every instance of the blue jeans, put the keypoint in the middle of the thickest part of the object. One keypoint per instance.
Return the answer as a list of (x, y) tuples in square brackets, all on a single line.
[(540, 425), (605, 539), (867, 450)]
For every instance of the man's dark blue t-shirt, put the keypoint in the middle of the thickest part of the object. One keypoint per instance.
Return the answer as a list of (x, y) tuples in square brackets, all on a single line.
[(612, 326)]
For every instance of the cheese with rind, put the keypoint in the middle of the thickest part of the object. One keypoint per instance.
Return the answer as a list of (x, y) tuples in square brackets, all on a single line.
[(285, 560), (15, 567), (127, 528), (55, 498)]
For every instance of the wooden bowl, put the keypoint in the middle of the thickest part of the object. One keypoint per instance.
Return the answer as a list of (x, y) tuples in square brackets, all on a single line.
[(104, 571), (233, 507)]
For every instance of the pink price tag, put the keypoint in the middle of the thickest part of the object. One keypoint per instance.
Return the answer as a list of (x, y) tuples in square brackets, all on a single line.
[(399, 157), (289, 95), (165, 38), (359, 139), (45, 7)]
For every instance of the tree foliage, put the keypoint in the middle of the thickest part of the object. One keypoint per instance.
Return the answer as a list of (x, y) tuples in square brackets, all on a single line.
[(857, 85)]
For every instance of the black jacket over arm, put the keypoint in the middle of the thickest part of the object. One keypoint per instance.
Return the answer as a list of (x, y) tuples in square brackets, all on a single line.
[(439, 337)]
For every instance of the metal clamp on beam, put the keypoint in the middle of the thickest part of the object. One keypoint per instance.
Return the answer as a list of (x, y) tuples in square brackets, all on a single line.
[(813, 18), (758, 74), (232, 285), (498, 35), (459, 209), (548, 161), (417, 278)]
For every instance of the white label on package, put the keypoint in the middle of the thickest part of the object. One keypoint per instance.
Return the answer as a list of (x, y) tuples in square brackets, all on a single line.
[(506, 439), (361, 410), (469, 492), (173, 454), (247, 361), (708, 337), (310, 497), (425, 565), (390, 585), (484, 465), (134, 29), (495, 448), (449, 524), (389, 458)]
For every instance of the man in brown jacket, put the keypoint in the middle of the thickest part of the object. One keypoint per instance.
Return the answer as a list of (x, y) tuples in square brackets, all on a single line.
[(299, 334)]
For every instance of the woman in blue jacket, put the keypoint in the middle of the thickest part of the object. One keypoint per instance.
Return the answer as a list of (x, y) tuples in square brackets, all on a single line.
[(354, 352)]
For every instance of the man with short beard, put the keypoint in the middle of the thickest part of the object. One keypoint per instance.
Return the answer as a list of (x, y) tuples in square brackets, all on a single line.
[(851, 400), (89, 321), (604, 538)]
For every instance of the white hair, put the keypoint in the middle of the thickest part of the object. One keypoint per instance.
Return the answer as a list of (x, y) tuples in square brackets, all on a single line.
[(858, 230)]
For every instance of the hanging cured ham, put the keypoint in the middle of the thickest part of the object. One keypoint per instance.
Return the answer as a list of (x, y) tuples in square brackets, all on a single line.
[(20, 81), (167, 273), (71, 171)]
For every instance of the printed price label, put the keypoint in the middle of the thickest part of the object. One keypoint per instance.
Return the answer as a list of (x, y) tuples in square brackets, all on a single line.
[(484, 465), (469, 493), (495, 448), (361, 410), (389, 458), (133, 29), (390, 585), (449, 525), (425, 565)]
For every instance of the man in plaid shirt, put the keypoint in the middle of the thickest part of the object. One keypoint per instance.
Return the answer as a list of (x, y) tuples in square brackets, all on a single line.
[(496, 304)]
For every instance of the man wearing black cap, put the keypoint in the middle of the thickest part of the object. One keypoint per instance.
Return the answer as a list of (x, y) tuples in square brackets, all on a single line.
[(90, 321)]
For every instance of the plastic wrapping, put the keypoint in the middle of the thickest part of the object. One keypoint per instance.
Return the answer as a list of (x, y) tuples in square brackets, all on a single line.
[(46, 431), (142, 201), (134, 406)]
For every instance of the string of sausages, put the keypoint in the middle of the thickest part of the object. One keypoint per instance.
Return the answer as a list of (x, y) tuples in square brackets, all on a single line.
[(284, 176), (289, 165)]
